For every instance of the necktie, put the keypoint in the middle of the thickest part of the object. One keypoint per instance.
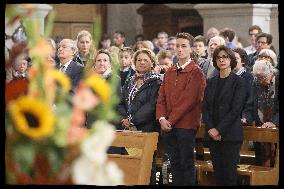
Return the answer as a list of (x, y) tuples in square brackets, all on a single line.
[(62, 68)]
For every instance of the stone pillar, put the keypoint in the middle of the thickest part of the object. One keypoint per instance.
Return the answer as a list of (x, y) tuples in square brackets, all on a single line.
[(40, 12), (239, 17)]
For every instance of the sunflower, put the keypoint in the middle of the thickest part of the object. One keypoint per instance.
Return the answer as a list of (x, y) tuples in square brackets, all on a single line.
[(99, 86), (32, 117), (60, 77)]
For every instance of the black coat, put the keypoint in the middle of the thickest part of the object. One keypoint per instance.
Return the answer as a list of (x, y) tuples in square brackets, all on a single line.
[(231, 103), (143, 106)]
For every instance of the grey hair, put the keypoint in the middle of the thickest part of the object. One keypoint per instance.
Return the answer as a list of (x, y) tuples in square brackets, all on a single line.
[(73, 45), (263, 67), (220, 40), (271, 54)]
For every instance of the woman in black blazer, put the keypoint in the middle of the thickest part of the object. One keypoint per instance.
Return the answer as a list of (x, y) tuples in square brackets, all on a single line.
[(222, 107)]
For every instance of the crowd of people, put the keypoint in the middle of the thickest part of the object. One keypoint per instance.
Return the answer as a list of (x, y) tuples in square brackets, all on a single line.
[(173, 84)]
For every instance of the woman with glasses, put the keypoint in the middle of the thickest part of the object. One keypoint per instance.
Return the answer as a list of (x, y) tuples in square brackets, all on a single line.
[(266, 107), (222, 107)]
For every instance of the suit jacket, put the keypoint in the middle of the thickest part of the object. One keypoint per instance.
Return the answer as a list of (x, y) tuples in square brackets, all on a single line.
[(74, 71), (231, 103), (181, 95)]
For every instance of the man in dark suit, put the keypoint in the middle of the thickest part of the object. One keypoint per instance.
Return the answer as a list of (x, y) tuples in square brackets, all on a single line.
[(66, 52)]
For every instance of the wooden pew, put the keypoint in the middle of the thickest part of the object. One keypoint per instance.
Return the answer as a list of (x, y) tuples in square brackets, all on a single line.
[(136, 169), (257, 175)]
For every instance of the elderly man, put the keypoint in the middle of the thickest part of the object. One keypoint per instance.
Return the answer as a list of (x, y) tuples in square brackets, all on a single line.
[(66, 52)]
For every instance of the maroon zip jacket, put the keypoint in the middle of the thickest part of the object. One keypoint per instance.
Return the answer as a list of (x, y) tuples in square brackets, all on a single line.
[(180, 96)]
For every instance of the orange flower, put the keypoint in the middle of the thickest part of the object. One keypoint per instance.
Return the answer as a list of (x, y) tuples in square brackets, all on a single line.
[(41, 50)]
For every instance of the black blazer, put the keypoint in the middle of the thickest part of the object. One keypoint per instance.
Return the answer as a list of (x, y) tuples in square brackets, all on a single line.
[(232, 100), (143, 105), (74, 71)]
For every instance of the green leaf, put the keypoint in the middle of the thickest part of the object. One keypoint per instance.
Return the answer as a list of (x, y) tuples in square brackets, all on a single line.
[(55, 157), (49, 25), (24, 153)]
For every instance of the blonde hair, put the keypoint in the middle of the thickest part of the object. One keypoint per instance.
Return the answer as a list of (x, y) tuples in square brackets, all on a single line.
[(150, 54), (83, 33), (262, 67)]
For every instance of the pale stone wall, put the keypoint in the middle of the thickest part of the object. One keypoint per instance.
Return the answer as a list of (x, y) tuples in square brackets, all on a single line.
[(124, 17), (240, 17)]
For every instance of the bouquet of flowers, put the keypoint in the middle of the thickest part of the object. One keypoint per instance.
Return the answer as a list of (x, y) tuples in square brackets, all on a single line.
[(45, 140)]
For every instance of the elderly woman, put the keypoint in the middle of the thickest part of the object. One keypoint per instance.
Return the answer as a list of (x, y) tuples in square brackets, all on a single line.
[(102, 65), (207, 64), (84, 42), (139, 97), (139, 94), (268, 54), (266, 107), (221, 114)]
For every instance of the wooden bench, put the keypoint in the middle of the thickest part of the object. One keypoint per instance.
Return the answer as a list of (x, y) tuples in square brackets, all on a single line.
[(256, 175), (136, 169)]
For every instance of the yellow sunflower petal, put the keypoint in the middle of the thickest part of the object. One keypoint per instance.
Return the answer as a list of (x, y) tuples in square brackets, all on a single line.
[(38, 110), (100, 86), (60, 77)]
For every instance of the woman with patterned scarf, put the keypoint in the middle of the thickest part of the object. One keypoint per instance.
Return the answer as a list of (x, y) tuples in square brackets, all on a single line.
[(139, 94)]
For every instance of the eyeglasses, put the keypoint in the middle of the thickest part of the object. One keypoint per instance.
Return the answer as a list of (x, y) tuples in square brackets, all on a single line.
[(261, 42), (224, 57)]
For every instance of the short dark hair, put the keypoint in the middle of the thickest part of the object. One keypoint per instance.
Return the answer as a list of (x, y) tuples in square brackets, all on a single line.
[(228, 32), (255, 27), (200, 38), (102, 51), (268, 37), (233, 62), (243, 55), (185, 35), (121, 33)]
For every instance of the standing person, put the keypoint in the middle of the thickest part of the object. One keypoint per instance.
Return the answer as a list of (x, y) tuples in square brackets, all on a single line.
[(252, 31), (164, 63), (228, 34), (207, 64), (212, 32), (266, 107), (222, 107), (172, 47), (105, 42), (66, 53), (139, 97), (162, 42), (240, 70), (125, 60), (200, 47), (119, 39), (179, 110), (84, 43)]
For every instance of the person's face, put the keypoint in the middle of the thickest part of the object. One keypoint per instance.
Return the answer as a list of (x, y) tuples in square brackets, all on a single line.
[(125, 59), (102, 63), (264, 79), (239, 62), (199, 48), (265, 57), (262, 44), (22, 65), (165, 64), (84, 45), (106, 43), (223, 60), (172, 45), (139, 46), (212, 45), (162, 39), (65, 50), (183, 49), (118, 40), (143, 63), (252, 36)]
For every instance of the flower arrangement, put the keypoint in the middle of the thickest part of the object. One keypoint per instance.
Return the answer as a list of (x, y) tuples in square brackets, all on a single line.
[(46, 142)]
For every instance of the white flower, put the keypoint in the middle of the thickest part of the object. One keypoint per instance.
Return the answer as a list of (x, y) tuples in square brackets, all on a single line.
[(87, 172), (96, 145)]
